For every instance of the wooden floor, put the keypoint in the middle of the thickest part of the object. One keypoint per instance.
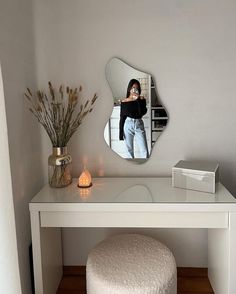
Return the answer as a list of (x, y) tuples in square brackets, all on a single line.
[(190, 281)]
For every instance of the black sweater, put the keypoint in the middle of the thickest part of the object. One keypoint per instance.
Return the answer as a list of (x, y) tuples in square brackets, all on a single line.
[(134, 109)]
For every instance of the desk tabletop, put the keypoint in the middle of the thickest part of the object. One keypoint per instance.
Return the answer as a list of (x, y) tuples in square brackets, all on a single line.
[(131, 190)]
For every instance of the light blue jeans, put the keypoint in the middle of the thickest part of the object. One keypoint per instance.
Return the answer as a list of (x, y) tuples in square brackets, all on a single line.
[(135, 128)]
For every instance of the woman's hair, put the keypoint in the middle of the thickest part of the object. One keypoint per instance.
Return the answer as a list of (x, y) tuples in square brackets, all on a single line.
[(130, 85)]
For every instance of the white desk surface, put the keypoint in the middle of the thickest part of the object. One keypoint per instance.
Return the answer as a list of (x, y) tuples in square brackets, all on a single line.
[(132, 203), (132, 192)]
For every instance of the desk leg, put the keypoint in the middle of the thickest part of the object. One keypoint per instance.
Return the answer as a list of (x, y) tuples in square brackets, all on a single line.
[(232, 253), (222, 258), (218, 253), (47, 256)]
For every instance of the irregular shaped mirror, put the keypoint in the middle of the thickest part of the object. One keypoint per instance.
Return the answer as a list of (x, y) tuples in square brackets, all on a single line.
[(138, 117)]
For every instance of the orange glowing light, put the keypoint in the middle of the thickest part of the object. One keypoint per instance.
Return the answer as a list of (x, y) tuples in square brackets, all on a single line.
[(85, 179)]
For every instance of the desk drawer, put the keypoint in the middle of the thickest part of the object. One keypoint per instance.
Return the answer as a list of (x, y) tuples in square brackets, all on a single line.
[(135, 219)]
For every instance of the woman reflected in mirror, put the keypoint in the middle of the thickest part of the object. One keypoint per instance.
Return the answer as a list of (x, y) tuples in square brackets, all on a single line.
[(132, 109)]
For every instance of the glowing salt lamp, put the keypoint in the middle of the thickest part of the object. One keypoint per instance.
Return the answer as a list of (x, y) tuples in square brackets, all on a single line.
[(85, 179)]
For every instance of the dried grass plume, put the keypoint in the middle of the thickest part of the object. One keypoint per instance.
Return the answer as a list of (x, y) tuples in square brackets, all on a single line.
[(59, 112)]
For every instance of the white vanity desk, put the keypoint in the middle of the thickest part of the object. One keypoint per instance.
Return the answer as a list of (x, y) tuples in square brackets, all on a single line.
[(133, 202)]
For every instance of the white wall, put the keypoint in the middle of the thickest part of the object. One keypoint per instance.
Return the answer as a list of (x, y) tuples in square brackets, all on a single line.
[(18, 69), (9, 266), (189, 48)]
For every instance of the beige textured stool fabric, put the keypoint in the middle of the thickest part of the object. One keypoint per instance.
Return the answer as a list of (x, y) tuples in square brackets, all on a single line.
[(131, 264)]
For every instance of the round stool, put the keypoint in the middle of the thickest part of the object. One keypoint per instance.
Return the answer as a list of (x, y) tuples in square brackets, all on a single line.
[(133, 264)]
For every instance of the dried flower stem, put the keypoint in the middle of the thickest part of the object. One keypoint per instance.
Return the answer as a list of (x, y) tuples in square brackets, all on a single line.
[(59, 115)]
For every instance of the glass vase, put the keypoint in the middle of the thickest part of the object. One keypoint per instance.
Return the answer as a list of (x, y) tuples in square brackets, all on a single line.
[(59, 168)]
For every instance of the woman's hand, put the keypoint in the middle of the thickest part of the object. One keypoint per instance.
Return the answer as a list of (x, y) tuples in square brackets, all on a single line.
[(134, 96), (134, 93)]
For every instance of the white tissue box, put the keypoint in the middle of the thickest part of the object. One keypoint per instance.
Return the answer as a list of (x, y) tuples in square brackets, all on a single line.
[(194, 175)]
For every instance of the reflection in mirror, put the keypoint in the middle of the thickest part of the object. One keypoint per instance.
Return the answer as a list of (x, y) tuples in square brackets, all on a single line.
[(136, 193), (138, 117)]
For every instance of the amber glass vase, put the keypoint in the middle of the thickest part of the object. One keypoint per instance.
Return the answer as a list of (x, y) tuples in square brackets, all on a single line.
[(59, 168)]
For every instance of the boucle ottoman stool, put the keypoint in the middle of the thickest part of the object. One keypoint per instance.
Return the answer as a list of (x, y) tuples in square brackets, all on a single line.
[(133, 264)]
